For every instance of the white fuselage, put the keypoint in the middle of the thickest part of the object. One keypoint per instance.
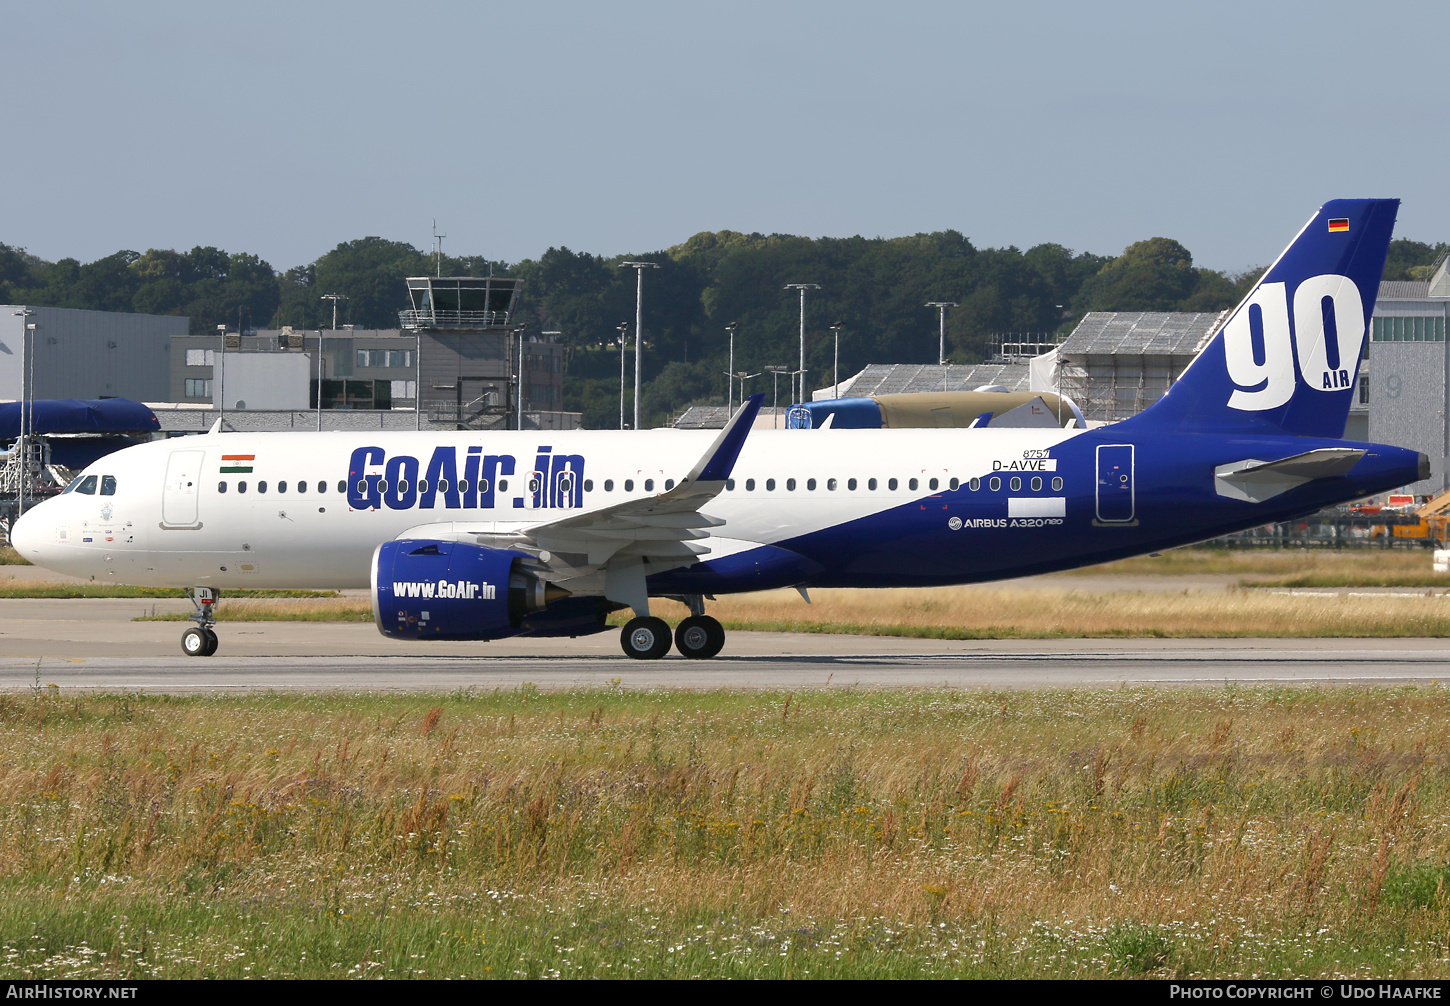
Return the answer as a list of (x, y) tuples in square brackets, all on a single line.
[(177, 514)]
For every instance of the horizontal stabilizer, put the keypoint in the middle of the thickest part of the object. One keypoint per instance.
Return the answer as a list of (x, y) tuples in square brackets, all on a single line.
[(1256, 481)]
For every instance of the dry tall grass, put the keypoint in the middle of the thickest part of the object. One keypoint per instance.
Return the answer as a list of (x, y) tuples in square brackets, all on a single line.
[(986, 612), (1229, 832)]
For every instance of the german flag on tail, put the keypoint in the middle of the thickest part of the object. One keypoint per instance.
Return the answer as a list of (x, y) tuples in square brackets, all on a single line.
[(1339, 225)]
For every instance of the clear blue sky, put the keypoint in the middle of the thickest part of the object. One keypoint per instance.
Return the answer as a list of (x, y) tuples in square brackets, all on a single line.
[(284, 128)]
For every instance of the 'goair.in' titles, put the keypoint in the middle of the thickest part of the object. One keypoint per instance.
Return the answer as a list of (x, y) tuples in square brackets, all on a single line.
[(401, 482)]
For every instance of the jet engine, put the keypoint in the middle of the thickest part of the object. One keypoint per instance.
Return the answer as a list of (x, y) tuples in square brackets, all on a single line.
[(454, 590)]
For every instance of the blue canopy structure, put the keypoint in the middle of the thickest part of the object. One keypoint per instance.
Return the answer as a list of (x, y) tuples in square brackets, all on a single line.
[(67, 415)]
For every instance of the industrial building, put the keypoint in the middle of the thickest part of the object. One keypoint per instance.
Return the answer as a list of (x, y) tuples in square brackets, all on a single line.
[(85, 354), (1405, 390), (457, 343)]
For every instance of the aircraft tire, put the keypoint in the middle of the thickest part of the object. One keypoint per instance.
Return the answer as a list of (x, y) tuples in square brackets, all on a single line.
[(194, 642), (211, 642), (645, 638), (699, 637)]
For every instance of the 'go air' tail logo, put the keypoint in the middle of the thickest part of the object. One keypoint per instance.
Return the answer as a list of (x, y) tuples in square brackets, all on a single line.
[(1328, 335)]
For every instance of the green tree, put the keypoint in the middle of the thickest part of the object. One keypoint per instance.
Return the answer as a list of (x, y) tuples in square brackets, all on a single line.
[(1152, 275)]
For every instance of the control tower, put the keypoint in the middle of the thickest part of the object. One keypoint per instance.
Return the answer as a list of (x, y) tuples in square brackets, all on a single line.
[(469, 361)]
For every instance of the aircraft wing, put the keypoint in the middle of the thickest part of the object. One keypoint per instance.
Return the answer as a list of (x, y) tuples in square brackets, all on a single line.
[(617, 541), (663, 526)]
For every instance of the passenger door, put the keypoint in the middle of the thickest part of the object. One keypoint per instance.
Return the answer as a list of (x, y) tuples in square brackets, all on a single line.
[(1116, 496), (179, 510)]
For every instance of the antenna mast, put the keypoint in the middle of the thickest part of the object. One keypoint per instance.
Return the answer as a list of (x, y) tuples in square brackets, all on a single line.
[(437, 249)]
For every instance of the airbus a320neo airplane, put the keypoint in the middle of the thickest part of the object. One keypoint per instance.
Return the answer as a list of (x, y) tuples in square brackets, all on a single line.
[(482, 535)]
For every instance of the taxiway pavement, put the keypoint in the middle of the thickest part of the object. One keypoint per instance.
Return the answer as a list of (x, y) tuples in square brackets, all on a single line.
[(95, 645)]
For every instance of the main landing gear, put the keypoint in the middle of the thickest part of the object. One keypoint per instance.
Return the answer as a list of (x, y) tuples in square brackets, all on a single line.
[(201, 640), (698, 637)]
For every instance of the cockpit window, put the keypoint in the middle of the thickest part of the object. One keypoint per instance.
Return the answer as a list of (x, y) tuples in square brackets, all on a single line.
[(87, 485), (108, 485)]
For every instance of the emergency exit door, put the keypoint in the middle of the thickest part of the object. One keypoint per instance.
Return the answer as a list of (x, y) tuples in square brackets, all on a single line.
[(1117, 498)]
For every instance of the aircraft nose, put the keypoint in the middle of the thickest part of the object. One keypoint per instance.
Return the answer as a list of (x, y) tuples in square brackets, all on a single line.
[(28, 536)]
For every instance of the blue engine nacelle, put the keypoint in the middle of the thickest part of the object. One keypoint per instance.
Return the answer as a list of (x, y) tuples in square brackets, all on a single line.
[(453, 590)]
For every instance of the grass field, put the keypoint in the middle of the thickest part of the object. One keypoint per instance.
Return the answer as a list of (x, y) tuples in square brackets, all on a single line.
[(995, 613), (1214, 833), (1363, 567)]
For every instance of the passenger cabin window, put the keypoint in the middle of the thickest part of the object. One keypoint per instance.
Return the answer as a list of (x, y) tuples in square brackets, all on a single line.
[(108, 485), (994, 483), (282, 487), (609, 485), (811, 484), (87, 485), (649, 485), (1037, 483), (770, 485), (891, 484), (851, 485), (221, 487), (871, 484), (933, 484), (790, 485), (588, 485), (831, 484), (1016, 484), (242, 486), (302, 487), (1057, 484), (974, 484), (912, 484), (953, 484), (669, 484), (262, 486), (342, 485), (750, 485), (422, 486), (729, 485), (629, 485)]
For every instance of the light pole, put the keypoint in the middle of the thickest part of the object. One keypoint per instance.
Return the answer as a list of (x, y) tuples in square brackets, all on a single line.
[(836, 366), (623, 337), (639, 268), (519, 384), (742, 377), (941, 311), (775, 372), (221, 387), (730, 374), (22, 442), (802, 287)]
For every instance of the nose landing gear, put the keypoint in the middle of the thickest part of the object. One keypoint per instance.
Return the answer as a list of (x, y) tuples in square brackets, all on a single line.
[(201, 639)]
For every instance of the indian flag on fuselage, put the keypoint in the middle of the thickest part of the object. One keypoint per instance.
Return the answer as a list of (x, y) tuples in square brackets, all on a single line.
[(237, 464)]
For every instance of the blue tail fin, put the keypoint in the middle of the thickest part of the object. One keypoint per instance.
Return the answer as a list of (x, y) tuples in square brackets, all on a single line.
[(1288, 358)]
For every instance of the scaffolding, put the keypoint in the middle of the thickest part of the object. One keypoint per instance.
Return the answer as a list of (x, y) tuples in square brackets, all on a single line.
[(1117, 363)]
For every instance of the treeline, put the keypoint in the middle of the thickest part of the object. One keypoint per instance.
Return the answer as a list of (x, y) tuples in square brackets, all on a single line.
[(874, 288)]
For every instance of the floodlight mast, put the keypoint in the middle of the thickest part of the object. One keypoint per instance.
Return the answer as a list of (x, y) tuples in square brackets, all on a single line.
[(941, 311), (730, 374), (639, 268), (802, 287), (334, 297), (775, 371), (623, 328), (27, 347), (836, 366)]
